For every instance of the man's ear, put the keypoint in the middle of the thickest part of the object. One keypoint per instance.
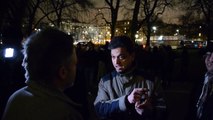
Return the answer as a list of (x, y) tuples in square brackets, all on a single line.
[(62, 72)]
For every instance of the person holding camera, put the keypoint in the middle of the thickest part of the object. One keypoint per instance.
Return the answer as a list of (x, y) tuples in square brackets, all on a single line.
[(128, 93)]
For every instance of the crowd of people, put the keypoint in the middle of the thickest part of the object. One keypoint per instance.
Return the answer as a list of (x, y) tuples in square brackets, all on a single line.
[(95, 61), (126, 80)]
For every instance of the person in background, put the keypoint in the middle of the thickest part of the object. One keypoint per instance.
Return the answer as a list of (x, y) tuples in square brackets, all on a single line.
[(128, 93), (50, 63), (205, 101)]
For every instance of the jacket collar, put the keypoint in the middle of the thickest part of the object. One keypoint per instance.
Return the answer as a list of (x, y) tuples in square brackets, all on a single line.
[(47, 91)]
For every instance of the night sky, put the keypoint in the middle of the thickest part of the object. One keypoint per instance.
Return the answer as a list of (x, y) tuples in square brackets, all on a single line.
[(171, 14)]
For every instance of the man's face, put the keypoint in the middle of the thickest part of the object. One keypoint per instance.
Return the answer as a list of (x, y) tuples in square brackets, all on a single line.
[(122, 60), (209, 62)]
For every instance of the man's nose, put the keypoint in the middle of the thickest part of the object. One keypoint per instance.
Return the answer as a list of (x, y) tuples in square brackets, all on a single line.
[(117, 61)]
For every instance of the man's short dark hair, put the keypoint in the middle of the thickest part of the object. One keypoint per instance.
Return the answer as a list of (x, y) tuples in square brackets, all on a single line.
[(45, 52), (122, 41)]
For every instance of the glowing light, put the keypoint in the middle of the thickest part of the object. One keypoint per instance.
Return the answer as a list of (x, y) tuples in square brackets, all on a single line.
[(160, 38), (136, 36), (9, 53), (154, 28)]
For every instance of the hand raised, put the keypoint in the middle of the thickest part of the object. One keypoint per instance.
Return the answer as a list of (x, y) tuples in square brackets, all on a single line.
[(137, 94), (140, 106)]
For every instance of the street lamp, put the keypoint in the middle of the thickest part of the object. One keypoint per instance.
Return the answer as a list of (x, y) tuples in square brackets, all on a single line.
[(154, 29), (177, 31), (136, 36)]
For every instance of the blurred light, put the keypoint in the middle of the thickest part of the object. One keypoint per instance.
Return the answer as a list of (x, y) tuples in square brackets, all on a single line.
[(154, 28), (9, 53), (160, 38), (136, 36)]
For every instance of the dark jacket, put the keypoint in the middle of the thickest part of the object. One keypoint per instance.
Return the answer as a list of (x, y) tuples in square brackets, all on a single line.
[(111, 101), (205, 102)]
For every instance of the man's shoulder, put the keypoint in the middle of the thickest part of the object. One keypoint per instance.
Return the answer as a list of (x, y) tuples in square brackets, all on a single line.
[(143, 73), (21, 93), (109, 76), (19, 97)]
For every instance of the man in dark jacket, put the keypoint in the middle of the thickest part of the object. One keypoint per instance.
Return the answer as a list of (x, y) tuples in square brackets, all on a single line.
[(127, 93)]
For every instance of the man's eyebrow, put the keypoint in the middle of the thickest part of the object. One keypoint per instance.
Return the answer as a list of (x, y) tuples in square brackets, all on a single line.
[(122, 54)]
